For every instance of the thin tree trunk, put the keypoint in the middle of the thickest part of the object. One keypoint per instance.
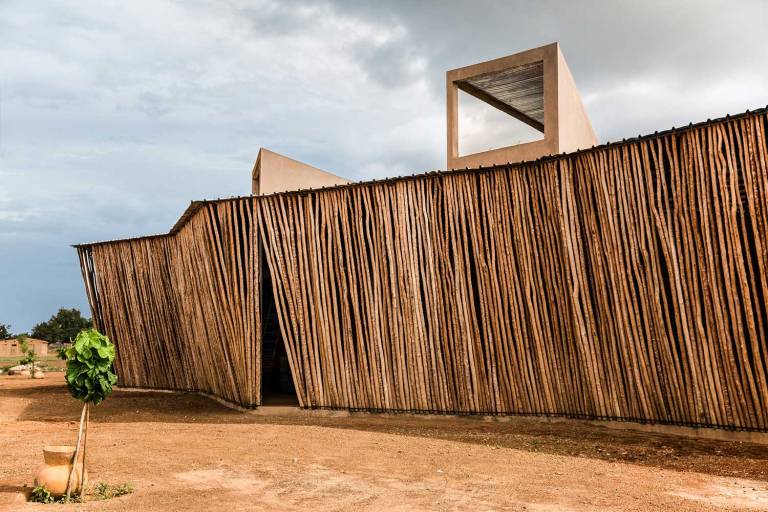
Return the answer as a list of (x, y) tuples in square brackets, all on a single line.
[(77, 451), (85, 442)]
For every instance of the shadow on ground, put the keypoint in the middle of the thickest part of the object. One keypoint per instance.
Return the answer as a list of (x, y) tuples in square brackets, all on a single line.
[(50, 402)]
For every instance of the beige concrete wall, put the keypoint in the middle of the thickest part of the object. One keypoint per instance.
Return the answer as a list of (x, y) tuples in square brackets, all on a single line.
[(526, 151), (574, 129), (274, 172)]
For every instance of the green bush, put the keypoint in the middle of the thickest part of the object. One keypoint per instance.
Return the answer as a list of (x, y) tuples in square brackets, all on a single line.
[(41, 495), (104, 491), (89, 367)]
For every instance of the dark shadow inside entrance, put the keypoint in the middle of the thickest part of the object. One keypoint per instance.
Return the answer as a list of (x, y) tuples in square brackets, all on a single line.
[(276, 379)]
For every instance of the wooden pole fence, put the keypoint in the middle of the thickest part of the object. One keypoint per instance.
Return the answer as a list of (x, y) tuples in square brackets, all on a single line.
[(625, 282)]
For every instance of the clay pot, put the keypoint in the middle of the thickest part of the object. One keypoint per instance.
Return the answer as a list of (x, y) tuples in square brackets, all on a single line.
[(54, 472), (38, 374)]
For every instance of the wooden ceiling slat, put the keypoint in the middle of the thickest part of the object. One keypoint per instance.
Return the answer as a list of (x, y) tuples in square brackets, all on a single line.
[(521, 88)]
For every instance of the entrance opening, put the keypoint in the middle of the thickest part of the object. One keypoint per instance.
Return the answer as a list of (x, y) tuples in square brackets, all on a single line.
[(276, 379)]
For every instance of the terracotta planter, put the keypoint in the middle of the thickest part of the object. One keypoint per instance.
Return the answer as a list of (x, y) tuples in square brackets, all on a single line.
[(54, 472)]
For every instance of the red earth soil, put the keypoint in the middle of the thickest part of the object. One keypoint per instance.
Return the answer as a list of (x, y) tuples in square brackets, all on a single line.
[(186, 452)]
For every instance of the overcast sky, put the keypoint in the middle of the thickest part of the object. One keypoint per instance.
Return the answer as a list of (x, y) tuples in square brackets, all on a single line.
[(114, 115)]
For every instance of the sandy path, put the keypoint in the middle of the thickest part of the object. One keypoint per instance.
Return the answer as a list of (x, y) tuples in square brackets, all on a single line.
[(203, 458)]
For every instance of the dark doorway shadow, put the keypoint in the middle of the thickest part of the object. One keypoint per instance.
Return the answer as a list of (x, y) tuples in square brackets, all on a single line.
[(276, 379)]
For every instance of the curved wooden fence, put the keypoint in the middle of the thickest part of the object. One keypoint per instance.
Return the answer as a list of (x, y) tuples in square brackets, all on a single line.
[(183, 309), (624, 282)]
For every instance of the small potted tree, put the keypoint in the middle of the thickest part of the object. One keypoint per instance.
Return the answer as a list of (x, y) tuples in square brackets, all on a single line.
[(90, 379)]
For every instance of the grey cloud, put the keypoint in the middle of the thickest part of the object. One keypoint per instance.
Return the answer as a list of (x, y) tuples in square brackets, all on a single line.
[(683, 45), (114, 115)]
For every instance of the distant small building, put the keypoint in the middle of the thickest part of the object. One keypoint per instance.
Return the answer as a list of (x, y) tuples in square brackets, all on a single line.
[(12, 347)]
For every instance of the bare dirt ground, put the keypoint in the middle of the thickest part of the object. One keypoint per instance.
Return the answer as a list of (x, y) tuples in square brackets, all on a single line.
[(185, 452)]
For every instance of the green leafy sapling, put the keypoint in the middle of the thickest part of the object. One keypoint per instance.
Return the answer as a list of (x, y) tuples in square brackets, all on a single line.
[(30, 356), (89, 367), (89, 378)]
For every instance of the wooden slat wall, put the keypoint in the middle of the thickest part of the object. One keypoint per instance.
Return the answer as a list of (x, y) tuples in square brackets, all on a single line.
[(625, 282), (183, 309)]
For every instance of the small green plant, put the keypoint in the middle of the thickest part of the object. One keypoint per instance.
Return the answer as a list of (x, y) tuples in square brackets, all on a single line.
[(30, 356), (90, 379), (123, 489), (104, 491), (101, 491), (41, 495), (75, 498), (89, 367), (31, 359)]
